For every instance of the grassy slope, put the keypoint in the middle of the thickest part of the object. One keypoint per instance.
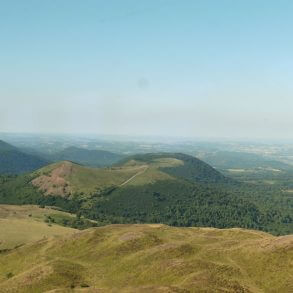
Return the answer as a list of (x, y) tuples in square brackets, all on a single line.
[(151, 172), (152, 258), (23, 224), (179, 165)]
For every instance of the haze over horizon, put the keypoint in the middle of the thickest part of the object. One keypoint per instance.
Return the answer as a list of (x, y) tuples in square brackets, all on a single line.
[(163, 68)]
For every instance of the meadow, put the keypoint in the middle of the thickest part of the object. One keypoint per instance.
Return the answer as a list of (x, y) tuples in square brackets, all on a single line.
[(20, 225), (151, 258)]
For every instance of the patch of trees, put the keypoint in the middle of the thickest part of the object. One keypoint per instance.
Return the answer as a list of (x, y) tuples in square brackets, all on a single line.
[(77, 222)]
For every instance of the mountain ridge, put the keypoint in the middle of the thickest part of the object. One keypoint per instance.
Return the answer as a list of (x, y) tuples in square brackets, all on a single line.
[(91, 158)]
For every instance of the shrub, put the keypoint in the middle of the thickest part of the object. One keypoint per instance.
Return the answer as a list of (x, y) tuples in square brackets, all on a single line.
[(9, 275)]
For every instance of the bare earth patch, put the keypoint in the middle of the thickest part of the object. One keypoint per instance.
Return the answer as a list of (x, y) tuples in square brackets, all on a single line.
[(55, 183)]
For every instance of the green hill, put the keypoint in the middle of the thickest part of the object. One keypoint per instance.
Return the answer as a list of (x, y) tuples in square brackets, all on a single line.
[(67, 179), (187, 167), (173, 189), (14, 161), (151, 258), (92, 158)]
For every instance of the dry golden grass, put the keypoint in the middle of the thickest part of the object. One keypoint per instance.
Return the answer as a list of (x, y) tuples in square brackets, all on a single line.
[(15, 232), (151, 258), (24, 211), (23, 224)]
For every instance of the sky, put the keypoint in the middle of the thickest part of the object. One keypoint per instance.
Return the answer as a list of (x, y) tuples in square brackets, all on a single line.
[(186, 68)]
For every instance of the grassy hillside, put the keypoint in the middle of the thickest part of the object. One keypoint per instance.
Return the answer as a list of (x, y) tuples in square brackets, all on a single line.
[(23, 224), (14, 161), (173, 189), (92, 158), (151, 258), (180, 165)]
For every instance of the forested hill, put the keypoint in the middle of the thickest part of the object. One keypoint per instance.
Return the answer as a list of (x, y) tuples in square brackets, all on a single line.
[(14, 161)]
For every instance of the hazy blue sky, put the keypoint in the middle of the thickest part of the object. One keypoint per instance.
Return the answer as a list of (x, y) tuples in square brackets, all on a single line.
[(175, 67)]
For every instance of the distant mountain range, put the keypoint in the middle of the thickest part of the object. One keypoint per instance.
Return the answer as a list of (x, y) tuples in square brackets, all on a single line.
[(15, 160), (94, 158)]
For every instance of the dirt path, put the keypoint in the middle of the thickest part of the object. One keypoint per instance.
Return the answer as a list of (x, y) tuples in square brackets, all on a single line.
[(131, 178)]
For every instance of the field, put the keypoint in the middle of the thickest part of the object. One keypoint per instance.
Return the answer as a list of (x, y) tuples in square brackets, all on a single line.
[(151, 258), (22, 224)]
